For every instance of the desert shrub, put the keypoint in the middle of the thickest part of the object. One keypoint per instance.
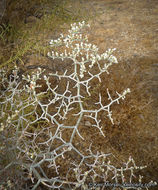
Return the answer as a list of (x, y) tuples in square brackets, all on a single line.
[(44, 127)]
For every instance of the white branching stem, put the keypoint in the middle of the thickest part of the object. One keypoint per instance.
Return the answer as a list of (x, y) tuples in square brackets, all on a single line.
[(36, 122)]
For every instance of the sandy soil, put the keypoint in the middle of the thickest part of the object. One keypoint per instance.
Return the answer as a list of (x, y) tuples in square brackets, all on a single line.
[(132, 28)]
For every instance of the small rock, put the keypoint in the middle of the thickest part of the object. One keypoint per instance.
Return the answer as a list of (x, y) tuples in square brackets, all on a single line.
[(88, 124)]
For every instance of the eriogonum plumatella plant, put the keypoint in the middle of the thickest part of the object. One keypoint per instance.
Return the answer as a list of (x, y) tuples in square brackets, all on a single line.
[(42, 127)]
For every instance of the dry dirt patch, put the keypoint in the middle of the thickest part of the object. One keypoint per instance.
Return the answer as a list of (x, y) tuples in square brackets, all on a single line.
[(131, 27)]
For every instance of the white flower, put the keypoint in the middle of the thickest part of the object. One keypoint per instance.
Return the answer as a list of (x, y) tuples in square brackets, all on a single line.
[(51, 42), (45, 77), (49, 54), (2, 127), (113, 59)]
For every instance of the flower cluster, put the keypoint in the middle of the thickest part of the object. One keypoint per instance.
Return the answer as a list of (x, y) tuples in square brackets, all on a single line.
[(80, 51)]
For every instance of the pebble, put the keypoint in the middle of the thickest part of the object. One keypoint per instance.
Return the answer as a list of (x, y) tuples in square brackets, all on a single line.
[(88, 124)]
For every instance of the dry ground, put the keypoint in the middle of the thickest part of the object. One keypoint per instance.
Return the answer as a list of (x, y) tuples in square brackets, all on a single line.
[(132, 28)]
